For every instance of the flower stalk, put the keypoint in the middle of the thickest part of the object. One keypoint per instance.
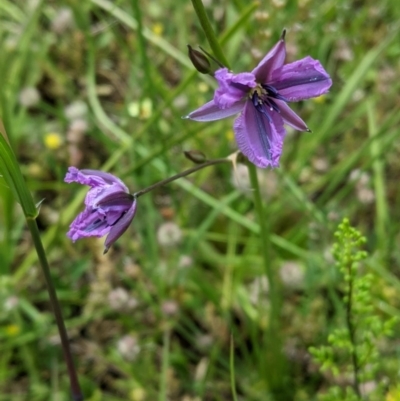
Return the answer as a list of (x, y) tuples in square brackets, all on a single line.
[(180, 175), (273, 334), (11, 172), (277, 375)]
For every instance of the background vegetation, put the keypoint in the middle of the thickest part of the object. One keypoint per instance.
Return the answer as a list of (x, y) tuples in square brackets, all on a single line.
[(103, 84)]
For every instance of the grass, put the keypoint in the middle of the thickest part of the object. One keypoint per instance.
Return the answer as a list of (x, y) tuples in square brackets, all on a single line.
[(186, 320)]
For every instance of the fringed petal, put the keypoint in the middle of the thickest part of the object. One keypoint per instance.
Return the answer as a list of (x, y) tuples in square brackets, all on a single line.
[(93, 178), (108, 206), (89, 223), (301, 80), (260, 136), (232, 87)]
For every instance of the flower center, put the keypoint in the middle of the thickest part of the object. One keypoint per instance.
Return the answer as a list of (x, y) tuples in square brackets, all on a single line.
[(263, 96)]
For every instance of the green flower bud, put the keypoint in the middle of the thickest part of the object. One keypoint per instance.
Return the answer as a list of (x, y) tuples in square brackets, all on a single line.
[(195, 156), (199, 60)]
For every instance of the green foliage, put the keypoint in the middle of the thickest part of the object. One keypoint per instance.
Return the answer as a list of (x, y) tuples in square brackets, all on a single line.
[(353, 350), (9, 169)]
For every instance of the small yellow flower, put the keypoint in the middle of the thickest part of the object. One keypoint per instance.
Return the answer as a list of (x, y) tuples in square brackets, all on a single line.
[(319, 100), (52, 140), (230, 135), (12, 330), (203, 87), (138, 394), (158, 29)]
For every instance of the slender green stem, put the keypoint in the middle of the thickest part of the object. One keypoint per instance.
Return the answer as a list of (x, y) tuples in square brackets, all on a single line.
[(209, 32), (73, 377), (277, 376), (180, 175), (264, 226), (273, 338)]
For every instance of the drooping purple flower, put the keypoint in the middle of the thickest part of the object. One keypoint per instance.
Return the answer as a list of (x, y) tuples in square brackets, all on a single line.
[(109, 207), (262, 96)]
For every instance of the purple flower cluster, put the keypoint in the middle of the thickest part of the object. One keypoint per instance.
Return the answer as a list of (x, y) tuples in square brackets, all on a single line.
[(109, 207), (261, 97)]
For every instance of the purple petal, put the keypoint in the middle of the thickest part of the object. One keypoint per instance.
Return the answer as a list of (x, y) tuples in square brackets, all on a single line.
[(95, 195), (211, 112), (301, 80), (120, 200), (232, 87), (120, 227), (89, 223), (112, 216), (272, 61), (116, 207), (93, 178), (76, 175), (107, 177), (290, 117), (258, 137), (109, 206)]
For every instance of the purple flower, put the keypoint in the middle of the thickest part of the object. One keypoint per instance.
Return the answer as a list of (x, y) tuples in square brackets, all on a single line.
[(262, 96), (109, 209)]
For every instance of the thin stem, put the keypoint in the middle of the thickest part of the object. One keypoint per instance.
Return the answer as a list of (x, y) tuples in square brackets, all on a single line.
[(209, 32), (264, 226), (273, 335), (277, 376), (73, 377), (180, 175), (352, 334)]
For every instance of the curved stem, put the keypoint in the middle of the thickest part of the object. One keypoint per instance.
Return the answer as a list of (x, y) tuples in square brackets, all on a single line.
[(180, 175), (73, 377)]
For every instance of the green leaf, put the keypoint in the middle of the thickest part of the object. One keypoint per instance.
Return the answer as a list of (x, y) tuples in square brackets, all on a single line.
[(12, 175)]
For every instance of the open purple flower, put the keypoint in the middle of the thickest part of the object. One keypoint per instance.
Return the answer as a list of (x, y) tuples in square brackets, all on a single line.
[(262, 96), (109, 209)]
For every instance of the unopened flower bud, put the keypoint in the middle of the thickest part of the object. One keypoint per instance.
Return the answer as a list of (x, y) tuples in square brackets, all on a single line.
[(195, 156), (199, 60)]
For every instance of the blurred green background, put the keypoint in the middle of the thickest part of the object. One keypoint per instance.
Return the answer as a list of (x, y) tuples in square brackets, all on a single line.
[(156, 317)]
